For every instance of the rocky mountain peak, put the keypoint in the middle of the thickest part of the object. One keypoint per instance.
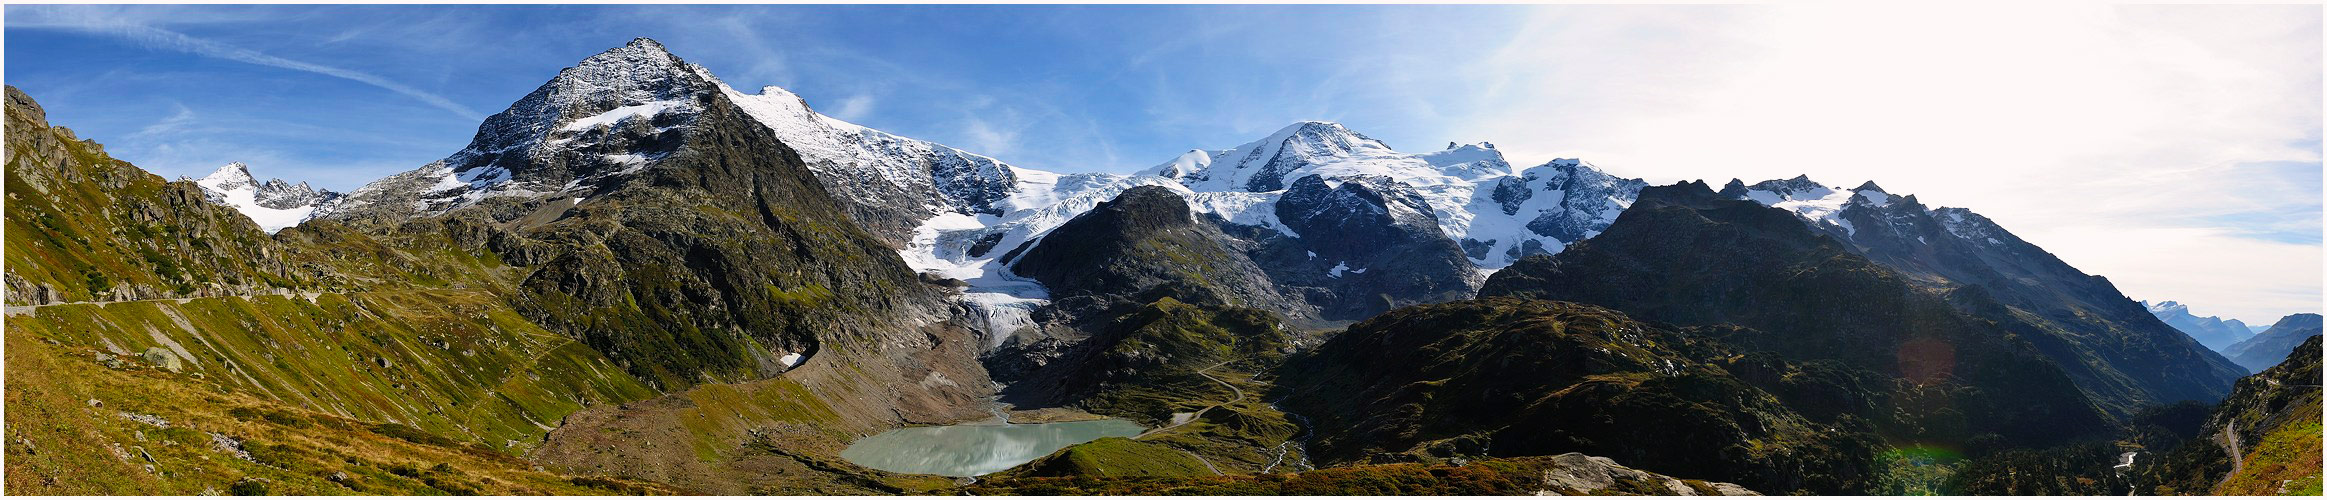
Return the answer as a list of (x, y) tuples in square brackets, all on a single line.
[(274, 204), (1735, 189), (2166, 307), (1790, 188), (231, 176), (2300, 321), (1302, 148), (608, 116), (2214, 332), (1471, 162)]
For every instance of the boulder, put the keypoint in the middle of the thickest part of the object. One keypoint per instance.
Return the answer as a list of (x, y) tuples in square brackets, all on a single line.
[(163, 359)]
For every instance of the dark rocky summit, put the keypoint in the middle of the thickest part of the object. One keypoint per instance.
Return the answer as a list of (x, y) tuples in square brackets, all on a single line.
[(1144, 239), (1366, 245)]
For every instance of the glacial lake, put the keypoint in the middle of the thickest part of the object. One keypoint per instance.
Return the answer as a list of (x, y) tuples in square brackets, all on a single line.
[(977, 449)]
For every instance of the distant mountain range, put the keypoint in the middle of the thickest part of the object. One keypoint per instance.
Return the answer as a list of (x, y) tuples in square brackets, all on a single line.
[(274, 204), (2266, 349), (651, 275), (2215, 332), (1325, 224)]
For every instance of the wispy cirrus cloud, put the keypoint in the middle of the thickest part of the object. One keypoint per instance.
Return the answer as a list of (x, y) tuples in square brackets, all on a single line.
[(154, 37), (178, 120)]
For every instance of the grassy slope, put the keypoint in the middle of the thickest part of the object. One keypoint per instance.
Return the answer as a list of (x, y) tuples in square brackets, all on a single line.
[(2285, 462), (1169, 357), (70, 432), (453, 363)]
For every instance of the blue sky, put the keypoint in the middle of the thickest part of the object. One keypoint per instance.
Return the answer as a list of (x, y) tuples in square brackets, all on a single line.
[(1103, 88), (2125, 139)]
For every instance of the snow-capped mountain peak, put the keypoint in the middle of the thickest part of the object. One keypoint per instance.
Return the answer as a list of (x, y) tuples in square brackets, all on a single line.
[(610, 115), (909, 180), (274, 204), (2167, 307), (1471, 162), (1303, 148), (233, 176)]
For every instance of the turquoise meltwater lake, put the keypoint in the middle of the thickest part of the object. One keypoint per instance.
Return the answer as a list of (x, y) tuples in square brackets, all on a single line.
[(976, 449)]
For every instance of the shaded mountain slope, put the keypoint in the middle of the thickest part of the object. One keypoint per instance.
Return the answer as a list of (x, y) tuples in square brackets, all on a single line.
[(1685, 256), (1146, 238), (2265, 349), (2263, 440), (2122, 356), (661, 223), (1508, 377)]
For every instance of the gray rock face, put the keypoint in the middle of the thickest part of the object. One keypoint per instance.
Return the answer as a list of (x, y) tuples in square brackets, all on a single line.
[(592, 125), (888, 183), (1580, 474), (1585, 192), (1366, 245)]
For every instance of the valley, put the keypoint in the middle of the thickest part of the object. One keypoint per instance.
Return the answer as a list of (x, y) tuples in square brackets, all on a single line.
[(637, 279)]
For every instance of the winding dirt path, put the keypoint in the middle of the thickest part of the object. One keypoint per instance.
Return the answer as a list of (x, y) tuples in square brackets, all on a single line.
[(1198, 413), (2229, 441), (23, 310)]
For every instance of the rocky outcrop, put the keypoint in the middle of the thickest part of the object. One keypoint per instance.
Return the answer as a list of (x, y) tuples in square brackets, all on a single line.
[(1580, 474), (84, 226)]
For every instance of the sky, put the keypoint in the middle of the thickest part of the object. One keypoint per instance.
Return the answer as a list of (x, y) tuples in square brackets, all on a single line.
[(2175, 150)]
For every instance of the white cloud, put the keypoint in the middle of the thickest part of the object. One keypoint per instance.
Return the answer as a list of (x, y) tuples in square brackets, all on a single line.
[(989, 139), (2093, 131), (855, 107)]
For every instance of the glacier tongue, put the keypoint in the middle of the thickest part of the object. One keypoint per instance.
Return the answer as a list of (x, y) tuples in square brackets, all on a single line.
[(1536, 213)]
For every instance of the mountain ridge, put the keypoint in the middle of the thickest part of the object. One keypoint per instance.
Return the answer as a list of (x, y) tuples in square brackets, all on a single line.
[(2113, 346), (2214, 332)]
